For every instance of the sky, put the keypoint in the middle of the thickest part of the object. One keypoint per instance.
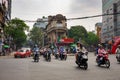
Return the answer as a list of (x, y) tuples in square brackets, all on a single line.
[(33, 9)]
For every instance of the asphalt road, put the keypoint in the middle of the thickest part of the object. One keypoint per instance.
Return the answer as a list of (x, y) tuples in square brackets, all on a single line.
[(26, 69)]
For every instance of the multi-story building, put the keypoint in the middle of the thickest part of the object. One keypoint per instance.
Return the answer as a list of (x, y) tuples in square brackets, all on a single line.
[(5, 14), (111, 23), (41, 22), (98, 27), (56, 28)]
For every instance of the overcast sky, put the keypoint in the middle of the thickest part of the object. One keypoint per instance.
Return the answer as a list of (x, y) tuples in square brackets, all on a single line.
[(33, 9)]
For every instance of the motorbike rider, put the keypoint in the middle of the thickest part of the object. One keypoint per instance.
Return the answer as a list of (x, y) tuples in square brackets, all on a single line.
[(80, 50), (101, 52), (36, 51), (62, 51)]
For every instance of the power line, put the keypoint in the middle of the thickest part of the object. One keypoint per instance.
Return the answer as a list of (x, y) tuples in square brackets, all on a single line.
[(86, 17)]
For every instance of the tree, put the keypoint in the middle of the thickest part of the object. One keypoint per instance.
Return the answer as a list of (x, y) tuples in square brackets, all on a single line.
[(77, 32), (36, 36), (92, 38), (16, 29)]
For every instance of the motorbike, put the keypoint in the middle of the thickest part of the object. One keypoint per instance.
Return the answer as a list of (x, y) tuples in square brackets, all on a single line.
[(36, 56), (102, 59), (56, 55), (118, 57), (63, 56), (47, 56), (82, 60)]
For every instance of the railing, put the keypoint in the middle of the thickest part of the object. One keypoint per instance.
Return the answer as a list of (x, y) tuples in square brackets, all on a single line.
[(57, 28)]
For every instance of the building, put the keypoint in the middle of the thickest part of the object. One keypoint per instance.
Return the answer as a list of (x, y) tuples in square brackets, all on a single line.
[(111, 23), (41, 22), (5, 14), (98, 27), (56, 28)]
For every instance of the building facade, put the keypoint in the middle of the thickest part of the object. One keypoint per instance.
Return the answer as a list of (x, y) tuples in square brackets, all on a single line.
[(41, 22), (111, 23), (5, 15), (56, 28), (98, 27)]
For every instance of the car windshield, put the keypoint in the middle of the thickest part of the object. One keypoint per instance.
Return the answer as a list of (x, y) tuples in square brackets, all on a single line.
[(21, 50)]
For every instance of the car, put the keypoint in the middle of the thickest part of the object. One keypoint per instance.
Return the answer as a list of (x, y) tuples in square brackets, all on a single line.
[(22, 53)]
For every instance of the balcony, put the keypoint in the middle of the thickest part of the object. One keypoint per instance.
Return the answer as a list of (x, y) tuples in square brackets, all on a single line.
[(57, 28)]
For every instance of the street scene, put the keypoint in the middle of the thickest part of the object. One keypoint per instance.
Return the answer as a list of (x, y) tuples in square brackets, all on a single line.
[(27, 69), (59, 39)]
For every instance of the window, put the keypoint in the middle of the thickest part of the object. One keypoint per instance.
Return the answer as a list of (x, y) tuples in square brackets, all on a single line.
[(111, 27)]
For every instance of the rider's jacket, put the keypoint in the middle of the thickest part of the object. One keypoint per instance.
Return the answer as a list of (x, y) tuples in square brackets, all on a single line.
[(101, 51), (36, 50), (83, 50)]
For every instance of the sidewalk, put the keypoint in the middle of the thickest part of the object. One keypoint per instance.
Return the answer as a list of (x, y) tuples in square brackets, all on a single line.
[(7, 56)]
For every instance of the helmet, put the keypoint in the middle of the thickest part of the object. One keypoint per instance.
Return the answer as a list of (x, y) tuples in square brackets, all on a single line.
[(79, 42), (99, 45), (35, 45)]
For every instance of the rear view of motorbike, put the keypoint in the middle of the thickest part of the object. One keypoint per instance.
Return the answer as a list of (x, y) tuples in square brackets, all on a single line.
[(36, 58), (118, 57), (102, 59), (56, 55), (48, 57), (63, 56), (82, 60)]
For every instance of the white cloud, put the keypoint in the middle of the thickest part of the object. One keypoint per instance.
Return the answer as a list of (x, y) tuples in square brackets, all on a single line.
[(33, 9)]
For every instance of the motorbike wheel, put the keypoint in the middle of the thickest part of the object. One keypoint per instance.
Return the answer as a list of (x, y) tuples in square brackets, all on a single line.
[(97, 61), (107, 63), (37, 60), (85, 66), (65, 57)]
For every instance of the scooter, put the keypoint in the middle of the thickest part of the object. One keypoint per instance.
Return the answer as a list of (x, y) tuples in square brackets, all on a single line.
[(47, 56), (56, 55), (102, 59), (118, 57), (63, 56), (36, 58), (82, 60)]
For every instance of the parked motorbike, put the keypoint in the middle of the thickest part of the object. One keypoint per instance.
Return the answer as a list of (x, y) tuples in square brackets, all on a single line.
[(82, 60), (63, 56), (118, 57), (102, 59)]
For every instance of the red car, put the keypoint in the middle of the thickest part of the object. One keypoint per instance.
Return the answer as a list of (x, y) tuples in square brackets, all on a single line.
[(22, 53)]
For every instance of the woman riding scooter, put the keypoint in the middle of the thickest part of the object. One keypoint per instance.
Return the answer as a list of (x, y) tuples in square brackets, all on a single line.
[(80, 50), (81, 56), (102, 57)]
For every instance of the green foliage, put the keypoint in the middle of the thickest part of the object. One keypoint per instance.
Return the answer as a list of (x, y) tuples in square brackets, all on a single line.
[(80, 33), (36, 35), (92, 38), (16, 29), (77, 32)]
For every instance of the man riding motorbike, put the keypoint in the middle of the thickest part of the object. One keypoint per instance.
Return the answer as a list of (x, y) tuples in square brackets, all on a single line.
[(62, 52)]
